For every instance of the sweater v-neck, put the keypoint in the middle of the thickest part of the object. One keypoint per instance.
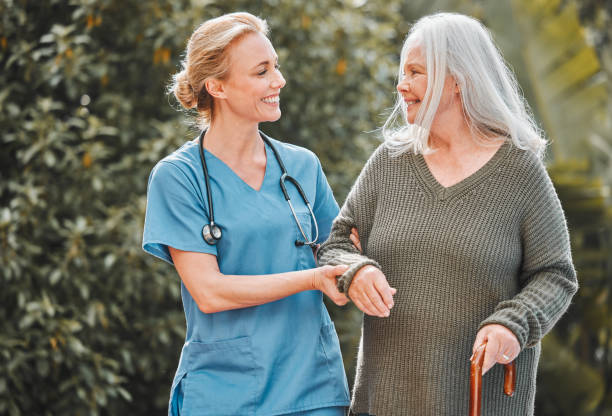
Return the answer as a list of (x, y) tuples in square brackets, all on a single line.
[(445, 192)]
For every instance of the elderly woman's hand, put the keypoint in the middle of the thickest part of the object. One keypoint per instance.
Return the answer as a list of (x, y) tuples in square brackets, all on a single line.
[(371, 292), (502, 345)]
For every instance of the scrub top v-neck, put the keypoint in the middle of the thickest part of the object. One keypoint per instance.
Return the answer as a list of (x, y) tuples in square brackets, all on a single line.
[(271, 359)]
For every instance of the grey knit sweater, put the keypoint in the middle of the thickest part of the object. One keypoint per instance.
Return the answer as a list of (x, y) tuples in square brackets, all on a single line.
[(493, 248)]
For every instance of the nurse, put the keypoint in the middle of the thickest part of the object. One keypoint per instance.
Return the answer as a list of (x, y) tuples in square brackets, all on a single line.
[(259, 340)]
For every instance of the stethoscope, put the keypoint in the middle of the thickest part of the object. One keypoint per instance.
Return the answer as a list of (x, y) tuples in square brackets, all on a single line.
[(211, 231)]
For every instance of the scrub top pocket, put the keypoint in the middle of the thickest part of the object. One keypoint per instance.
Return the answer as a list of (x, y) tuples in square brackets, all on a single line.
[(224, 379), (330, 346)]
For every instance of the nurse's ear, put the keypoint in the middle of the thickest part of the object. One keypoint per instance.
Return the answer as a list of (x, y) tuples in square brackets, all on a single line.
[(215, 88)]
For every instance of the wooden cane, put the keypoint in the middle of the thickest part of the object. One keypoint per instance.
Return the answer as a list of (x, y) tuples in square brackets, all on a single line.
[(477, 361)]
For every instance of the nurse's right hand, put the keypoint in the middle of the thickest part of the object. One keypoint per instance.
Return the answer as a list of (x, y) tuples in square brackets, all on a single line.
[(324, 279)]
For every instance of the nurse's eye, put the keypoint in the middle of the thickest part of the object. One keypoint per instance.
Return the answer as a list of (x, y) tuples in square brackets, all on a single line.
[(262, 72)]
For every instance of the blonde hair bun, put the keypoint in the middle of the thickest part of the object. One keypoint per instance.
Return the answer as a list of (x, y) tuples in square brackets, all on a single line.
[(183, 91)]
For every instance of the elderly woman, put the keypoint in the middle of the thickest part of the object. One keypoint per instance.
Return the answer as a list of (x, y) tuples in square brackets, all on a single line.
[(456, 211)]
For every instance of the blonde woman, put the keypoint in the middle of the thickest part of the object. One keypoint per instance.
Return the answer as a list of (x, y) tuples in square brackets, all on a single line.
[(259, 339), (456, 211)]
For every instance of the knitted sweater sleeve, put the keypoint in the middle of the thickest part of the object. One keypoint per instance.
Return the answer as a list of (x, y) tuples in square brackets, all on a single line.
[(358, 211), (547, 277)]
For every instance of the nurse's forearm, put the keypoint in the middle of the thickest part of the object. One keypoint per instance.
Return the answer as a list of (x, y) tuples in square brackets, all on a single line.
[(227, 292), (216, 292)]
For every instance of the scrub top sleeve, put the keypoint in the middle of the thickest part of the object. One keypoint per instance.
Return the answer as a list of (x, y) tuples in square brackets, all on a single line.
[(325, 206), (175, 214)]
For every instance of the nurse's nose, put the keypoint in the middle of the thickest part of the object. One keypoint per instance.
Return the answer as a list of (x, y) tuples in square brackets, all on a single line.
[(278, 81)]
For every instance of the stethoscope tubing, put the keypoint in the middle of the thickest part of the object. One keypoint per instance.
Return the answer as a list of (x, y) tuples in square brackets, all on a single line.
[(206, 179), (211, 230)]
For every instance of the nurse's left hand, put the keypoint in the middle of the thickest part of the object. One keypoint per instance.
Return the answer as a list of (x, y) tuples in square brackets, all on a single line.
[(324, 279), (355, 239)]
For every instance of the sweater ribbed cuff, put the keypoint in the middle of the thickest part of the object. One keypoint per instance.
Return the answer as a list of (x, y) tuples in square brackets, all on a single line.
[(501, 318), (344, 281)]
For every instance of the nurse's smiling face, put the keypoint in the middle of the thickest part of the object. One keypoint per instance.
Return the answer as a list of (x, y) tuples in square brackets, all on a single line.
[(251, 90)]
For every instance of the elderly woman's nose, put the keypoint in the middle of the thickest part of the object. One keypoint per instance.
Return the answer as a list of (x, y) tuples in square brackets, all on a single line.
[(403, 86)]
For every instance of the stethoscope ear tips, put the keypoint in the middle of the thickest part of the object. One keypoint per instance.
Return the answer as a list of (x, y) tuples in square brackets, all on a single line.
[(299, 243)]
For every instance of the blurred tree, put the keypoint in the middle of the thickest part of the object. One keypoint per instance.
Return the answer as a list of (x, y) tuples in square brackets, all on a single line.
[(570, 93), (87, 322)]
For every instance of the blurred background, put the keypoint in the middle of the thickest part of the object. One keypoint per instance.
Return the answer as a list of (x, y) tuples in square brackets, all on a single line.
[(90, 325)]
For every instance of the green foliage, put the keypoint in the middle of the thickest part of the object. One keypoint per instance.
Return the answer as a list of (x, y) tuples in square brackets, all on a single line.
[(567, 398), (570, 86), (88, 324), (584, 354)]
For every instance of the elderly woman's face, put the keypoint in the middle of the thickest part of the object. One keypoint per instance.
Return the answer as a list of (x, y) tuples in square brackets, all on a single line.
[(413, 85)]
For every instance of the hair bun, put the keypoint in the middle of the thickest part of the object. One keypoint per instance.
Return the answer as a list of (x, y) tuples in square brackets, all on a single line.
[(183, 90)]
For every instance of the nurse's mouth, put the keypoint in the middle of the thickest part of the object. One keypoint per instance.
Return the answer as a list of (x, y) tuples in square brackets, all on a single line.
[(272, 99)]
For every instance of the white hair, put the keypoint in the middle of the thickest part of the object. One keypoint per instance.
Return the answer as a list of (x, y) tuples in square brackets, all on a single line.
[(493, 105)]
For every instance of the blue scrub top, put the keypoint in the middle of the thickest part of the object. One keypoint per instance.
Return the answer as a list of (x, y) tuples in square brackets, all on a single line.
[(271, 359)]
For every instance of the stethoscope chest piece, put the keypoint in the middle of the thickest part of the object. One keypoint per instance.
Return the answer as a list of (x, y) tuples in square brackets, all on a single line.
[(211, 233)]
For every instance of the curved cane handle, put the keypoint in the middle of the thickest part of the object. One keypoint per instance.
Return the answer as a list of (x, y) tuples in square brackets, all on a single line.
[(510, 378), (476, 379)]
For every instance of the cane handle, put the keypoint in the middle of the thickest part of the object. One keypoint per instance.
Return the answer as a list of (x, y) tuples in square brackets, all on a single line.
[(477, 361)]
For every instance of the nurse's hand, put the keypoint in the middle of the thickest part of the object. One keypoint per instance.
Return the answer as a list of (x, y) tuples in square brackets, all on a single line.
[(324, 279), (355, 239), (371, 292)]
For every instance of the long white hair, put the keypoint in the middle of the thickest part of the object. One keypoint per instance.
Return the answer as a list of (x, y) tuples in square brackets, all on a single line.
[(493, 105)]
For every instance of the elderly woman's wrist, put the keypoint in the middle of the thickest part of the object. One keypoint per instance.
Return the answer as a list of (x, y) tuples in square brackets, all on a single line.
[(518, 331), (344, 281)]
